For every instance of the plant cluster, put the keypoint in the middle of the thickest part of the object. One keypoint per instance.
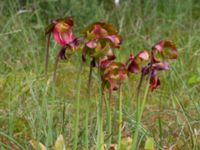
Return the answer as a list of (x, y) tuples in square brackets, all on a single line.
[(97, 45), (98, 42)]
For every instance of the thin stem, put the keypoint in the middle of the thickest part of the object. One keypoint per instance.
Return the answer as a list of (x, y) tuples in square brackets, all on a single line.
[(88, 107), (63, 117), (77, 107), (100, 139), (109, 112), (56, 62), (90, 79), (56, 66), (140, 109), (120, 118), (160, 124), (47, 54), (139, 86)]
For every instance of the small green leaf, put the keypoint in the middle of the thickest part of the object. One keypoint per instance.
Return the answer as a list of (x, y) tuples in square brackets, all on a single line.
[(149, 144), (59, 144), (37, 145), (194, 79), (126, 143)]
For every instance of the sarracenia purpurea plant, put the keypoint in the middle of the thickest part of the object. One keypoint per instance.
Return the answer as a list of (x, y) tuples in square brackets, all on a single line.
[(98, 44)]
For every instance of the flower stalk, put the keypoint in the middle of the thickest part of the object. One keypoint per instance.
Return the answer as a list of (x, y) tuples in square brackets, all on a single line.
[(120, 118), (139, 112), (77, 106), (47, 54), (88, 106)]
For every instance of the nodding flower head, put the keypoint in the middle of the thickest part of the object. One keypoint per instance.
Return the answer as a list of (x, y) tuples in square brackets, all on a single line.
[(165, 49), (62, 31), (134, 63), (161, 52), (101, 38), (113, 75), (151, 70)]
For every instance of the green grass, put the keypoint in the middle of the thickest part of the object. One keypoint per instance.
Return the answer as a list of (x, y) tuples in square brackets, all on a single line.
[(32, 107)]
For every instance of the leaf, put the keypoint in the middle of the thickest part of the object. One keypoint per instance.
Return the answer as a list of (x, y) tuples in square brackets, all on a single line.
[(149, 144), (194, 79), (126, 143), (59, 144), (37, 145)]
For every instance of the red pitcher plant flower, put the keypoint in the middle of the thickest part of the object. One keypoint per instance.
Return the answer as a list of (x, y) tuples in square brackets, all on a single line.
[(62, 31), (113, 73), (101, 39), (165, 50), (134, 63), (63, 35)]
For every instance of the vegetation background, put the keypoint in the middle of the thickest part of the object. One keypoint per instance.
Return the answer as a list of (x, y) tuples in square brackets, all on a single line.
[(31, 107)]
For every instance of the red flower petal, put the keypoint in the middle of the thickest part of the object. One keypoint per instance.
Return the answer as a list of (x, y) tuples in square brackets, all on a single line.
[(116, 40), (154, 82), (133, 67), (161, 66), (122, 74), (104, 63), (69, 21), (143, 55), (113, 85), (91, 44), (58, 37), (68, 37), (159, 46), (63, 38), (99, 32)]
